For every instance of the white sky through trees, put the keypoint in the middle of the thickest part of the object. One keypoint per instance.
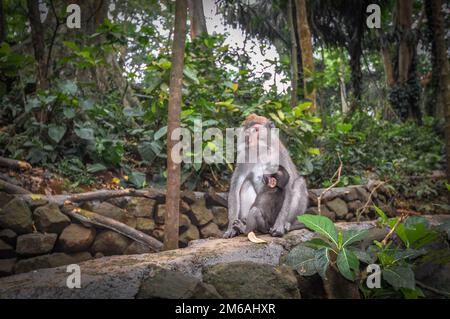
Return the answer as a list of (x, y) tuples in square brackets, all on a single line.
[(235, 38)]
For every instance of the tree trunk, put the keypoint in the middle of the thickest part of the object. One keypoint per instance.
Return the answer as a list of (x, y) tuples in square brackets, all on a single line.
[(355, 52), (37, 38), (173, 169), (387, 62), (405, 94), (436, 20), (343, 89), (197, 18), (307, 52), (435, 105), (406, 48), (294, 65)]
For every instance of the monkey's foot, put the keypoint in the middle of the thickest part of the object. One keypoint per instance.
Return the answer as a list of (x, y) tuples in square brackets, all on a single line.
[(277, 230), (239, 226)]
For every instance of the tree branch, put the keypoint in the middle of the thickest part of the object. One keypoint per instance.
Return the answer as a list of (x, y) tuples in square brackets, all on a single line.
[(12, 163), (86, 216)]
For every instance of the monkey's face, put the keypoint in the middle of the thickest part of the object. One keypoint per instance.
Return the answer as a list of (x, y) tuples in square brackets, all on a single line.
[(271, 182), (257, 132), (252, 134)]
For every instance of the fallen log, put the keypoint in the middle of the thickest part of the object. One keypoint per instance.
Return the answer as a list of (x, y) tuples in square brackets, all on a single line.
[(15, 164), (100, 195), (11, 188), (89, 217)]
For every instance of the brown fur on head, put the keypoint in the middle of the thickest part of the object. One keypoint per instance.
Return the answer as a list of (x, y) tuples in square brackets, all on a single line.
[(254, 119)]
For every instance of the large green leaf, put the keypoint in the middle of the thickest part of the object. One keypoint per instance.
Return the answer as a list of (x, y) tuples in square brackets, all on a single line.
[(363, 256), (160, 133), (399, 277), (85, 133), (347, 263), (301, 258), (351, 236), (56, 132), (415, 233), (191, 74), (146, 151), (94, 168), (322, 261), (137, 179), (68, 87), (320, 224)]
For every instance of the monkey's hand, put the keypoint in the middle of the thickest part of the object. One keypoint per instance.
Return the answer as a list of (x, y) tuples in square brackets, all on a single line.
[(230, 233), (278, 230)]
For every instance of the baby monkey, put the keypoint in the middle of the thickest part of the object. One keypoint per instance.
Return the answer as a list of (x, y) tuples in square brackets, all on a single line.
[(267, 205)]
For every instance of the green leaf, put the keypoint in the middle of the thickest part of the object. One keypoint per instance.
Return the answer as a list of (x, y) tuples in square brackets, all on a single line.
[(87, 104), (69, 112), (133, 112), (137, 179), (160, 133), (399, 277), (32, 103), (381, 213), (71, 45), (68, 87), (94, 168), (146, 152), (347, 263), (322, 261), (344, 127), (362, 255), (317, 243), (320, 224), (314, 151), (415, 233), (412, 293), (85, 133), (56, 132), (301, 258), (164, 64), (191, 74), (351, 236)]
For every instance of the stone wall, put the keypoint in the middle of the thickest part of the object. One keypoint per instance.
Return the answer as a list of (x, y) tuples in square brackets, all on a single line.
[(36, 234), (209, 268)]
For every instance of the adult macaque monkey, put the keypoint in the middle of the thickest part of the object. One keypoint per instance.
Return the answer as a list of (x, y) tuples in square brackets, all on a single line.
[(247, 179)]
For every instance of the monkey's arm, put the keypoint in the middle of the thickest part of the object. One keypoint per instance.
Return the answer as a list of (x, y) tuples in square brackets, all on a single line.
[(237, 180)]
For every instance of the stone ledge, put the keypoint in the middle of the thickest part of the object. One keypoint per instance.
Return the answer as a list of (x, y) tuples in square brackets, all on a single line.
[(121, 276)]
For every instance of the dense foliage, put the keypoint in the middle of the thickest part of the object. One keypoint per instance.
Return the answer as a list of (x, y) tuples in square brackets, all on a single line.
[(85, 133)]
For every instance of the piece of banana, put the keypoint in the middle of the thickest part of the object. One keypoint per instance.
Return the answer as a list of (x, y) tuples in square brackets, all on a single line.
[(252, 237)]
